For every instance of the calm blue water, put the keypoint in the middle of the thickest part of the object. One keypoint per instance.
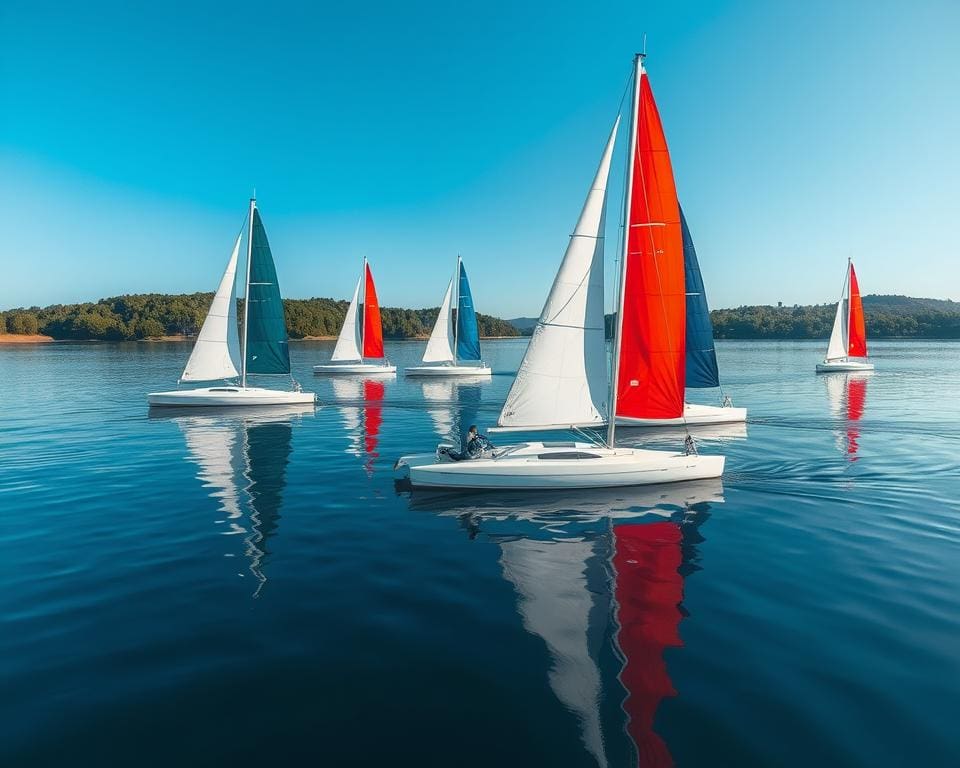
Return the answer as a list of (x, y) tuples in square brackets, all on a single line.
[(254, 590)]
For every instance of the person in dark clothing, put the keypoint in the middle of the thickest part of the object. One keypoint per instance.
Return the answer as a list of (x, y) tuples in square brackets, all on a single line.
[(476, 445)]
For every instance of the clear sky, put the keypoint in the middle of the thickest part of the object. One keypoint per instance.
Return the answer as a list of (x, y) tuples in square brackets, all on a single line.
[(131, 135)]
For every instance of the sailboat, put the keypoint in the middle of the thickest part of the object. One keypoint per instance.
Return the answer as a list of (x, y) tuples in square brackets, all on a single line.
[(848, 339), (701, 370), (219, 352), (456, 337), (361, 336), (562, 383)]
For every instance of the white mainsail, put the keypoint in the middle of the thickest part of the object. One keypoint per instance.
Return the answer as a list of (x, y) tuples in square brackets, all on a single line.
[(837, 348), (440, 346), (556, 603), (216, 353), (348, 343), (562, 380)]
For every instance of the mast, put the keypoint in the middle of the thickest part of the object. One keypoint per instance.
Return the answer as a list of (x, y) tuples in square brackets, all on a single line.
[(849, 317), (622, 277), (456, 325), (246, 294), (363, 303)]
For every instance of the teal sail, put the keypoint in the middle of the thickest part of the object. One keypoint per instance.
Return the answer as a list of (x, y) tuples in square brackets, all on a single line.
[(267, 349), (468, 334), (701, 357)]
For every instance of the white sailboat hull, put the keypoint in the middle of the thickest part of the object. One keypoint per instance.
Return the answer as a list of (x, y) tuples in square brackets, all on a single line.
[(449, 370), (693, 415), (537, 466), (227, 396), (828, 366), (332, 369)]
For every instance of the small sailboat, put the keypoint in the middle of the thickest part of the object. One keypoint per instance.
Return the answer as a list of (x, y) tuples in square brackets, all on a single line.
[(562, 383), (361, 336), (455, 339), (218, 352), (848, 340), (701, 370)]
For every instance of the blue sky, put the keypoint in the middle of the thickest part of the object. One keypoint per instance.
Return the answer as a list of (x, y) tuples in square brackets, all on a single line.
[(801, 133)]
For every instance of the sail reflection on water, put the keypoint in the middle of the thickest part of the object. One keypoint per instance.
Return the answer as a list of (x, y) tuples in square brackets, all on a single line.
[(360, 403), (593, 570), (241, 458), (453, 405), (847, 395)]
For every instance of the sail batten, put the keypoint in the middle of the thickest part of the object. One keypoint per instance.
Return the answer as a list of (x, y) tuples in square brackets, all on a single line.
[(216, 353), (562, 380)]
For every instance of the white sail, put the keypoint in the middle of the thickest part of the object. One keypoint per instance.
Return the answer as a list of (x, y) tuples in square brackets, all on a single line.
[(556, 604), (348, 342), (562, 380), (440, 346), (837, 348), (216, 353)]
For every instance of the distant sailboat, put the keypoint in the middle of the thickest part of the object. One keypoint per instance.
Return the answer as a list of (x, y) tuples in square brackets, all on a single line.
[(456, 336), (218, 352), (562, 383), (848, 339), (361, 336), (701, 370)]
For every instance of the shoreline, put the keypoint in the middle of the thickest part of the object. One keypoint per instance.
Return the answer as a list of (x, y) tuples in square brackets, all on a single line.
[(25, 338)]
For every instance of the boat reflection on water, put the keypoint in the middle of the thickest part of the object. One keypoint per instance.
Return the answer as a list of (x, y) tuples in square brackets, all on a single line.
[(847, 394), (598, 575), (360, 402), (241, 456), (453, 405)]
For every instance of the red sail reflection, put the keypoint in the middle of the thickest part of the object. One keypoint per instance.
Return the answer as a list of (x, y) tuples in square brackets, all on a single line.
[(648, 592), (372, 418), (856, 402)]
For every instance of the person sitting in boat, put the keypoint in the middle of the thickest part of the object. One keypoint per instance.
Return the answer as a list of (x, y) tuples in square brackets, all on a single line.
[(476, 445)]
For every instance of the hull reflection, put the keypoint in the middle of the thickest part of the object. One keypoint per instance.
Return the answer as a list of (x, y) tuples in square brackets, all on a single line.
[(241, 457)]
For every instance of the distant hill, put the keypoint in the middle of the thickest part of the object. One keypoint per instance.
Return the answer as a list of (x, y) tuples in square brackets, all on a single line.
[(886, 317), (151, 315), (524, 324)]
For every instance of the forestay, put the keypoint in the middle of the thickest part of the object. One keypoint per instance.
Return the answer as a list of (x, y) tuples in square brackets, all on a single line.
[(440, 346), (216, 353), (562, 380), (348, 342)]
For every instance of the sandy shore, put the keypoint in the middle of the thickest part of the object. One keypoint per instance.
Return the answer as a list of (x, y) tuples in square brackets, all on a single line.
[(24, 338)]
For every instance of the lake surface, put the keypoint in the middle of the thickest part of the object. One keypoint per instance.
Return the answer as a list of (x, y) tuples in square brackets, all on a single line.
[(254, 589)]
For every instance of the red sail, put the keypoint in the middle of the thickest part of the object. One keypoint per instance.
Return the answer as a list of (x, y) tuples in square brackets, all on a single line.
[(372, 329), (858, 329), (648, 592), (651, 374)]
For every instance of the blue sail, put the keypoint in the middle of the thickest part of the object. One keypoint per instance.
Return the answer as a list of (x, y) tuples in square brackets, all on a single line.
[(701, 357), (468, 334), (267, 348)]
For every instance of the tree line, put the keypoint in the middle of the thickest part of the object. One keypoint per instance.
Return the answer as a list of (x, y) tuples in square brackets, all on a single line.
[(886, 316), (151, 315)]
